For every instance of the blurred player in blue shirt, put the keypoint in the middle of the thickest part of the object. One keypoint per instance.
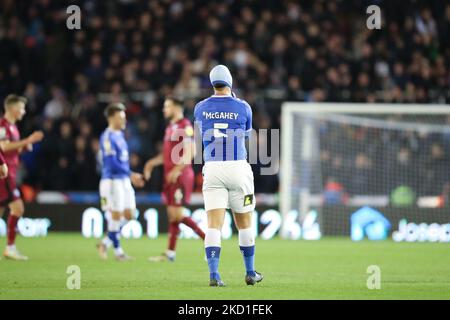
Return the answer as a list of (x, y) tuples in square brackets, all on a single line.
[(224, 122), (116, 192)]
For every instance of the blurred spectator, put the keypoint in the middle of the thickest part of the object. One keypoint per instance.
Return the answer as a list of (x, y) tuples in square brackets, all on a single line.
[(57, 106), (334, 193), (360, 179)]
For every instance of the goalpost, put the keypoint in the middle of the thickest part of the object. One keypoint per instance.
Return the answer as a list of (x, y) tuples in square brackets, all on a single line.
[(360, 154)]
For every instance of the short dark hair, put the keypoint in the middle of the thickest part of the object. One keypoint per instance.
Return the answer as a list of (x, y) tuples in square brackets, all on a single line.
[(112, 108), (219, 86), (14, 98), (178, 101)]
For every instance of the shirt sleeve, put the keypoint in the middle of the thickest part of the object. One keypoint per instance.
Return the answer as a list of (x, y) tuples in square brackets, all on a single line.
[(197, 121), (248, 123), (196, 110), (2, 159)]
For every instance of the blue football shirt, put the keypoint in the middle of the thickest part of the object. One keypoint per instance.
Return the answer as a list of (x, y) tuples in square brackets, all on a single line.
[(224, 123), (115, 158)]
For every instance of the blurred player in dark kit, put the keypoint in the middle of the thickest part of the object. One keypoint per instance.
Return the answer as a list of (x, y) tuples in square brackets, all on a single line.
[(11, 145), (178, 173)]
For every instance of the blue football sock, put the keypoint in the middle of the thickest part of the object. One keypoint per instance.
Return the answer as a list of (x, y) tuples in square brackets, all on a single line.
[(213, 256), (114, 237), (248, 254)]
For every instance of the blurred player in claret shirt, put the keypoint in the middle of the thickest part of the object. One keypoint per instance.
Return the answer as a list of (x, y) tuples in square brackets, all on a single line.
[(178, 172), (12, 146)]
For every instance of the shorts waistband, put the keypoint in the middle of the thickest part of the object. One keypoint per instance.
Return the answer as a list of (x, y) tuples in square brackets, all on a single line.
[(227, 162)]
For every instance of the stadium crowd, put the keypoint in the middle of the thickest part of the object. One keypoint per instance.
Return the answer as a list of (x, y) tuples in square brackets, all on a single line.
[(139, 51)]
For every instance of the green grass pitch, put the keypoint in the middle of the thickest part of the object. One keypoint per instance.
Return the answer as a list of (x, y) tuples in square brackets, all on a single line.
[(331, 268)]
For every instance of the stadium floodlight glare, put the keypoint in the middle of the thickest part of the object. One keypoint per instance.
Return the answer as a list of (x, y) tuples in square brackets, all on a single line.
[(369, 140)]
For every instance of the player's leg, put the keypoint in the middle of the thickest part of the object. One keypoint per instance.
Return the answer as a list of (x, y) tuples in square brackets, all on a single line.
[(243, 222), (5, 195), (213, 244), (16, 208), (10, 196), (2, 210), (116, 198), (114, 234), (128, 215), (242, 202), (174, 214), (129, 212), (105, 243), (188, 221), (173, 231), (172, 201), (123, 194), (105, 201), (187, 187), (215, 196)]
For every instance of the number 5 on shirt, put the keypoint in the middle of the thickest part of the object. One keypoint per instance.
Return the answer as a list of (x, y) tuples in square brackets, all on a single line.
[(217, 132)]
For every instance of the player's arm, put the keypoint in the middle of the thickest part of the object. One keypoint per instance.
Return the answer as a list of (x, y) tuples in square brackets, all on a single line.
[(7, 145), (150, 164), (137, 179)]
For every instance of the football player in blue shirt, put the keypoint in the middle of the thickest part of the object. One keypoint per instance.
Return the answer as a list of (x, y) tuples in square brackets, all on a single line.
[(224, 122), (116, 192)]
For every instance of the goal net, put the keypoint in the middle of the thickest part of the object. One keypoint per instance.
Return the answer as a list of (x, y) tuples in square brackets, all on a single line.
[(337, 158)]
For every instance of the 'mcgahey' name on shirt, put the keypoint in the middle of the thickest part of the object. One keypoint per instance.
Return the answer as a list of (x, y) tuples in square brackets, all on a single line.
[(220, 115)]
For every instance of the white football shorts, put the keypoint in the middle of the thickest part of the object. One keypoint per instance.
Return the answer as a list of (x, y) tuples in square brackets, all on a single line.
[(117, 195), (228, 184)]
